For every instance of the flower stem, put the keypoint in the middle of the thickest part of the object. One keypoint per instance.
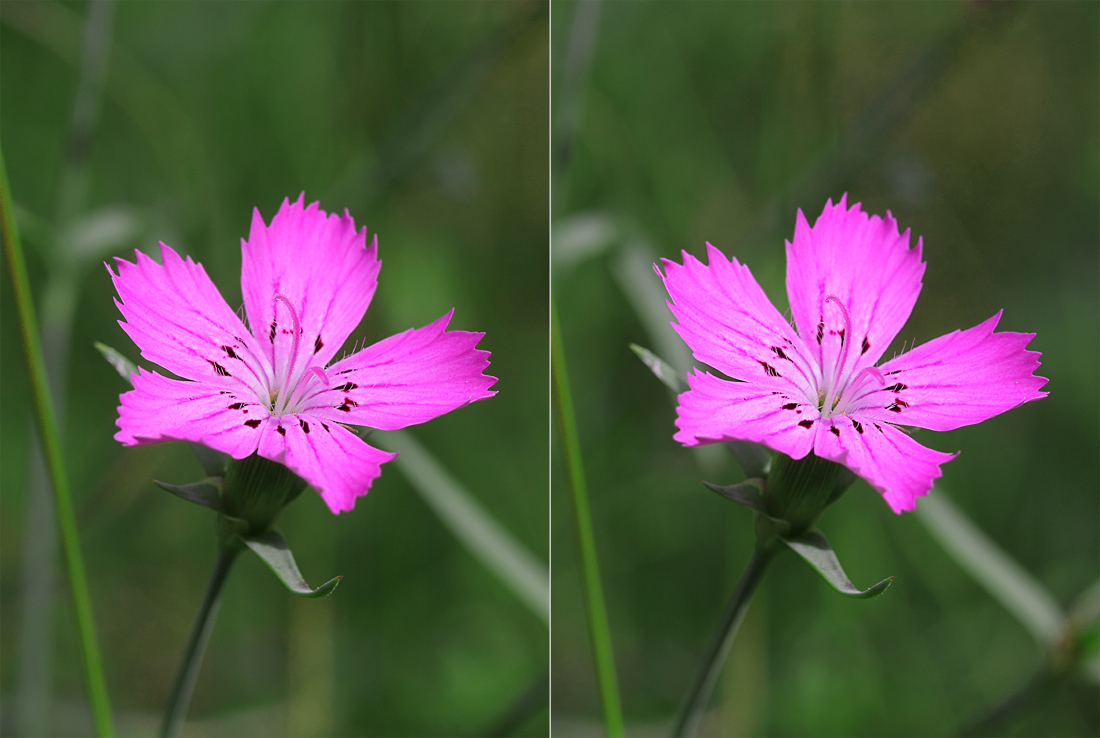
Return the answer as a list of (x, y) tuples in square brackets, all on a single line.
[(51, 448), (696, 703), (188, 672), (593, 594)]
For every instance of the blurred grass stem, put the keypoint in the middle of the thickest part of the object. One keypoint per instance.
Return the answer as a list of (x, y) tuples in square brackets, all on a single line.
[(593, 594), (184, 686), (57, 305), (696, 703), (51, 447)]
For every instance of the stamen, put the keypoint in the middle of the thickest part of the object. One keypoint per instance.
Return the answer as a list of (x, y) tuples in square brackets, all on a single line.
[(294, 346), (854, 385), (324, 377), (839, 369)]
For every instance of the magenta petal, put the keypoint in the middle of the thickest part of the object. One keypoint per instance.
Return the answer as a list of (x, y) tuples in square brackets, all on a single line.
[(729, 323), (863, 262), (893, 463), (320, 264), (179, 320), (715, 410), (958, 379), (331, 458), (406, 379), (161, 409)]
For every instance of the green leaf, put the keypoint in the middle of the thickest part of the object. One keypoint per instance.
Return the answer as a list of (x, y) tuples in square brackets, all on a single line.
[(813, 547), (273, 549), (206, 492), (581, 237), (754, 459), (93, 236), (661, 369), (747, 493), (1009, 583), (122, 365), (213, 462), (471, 523)]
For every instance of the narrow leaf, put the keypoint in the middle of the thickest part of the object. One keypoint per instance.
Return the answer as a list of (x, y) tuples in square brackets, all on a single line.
[(754, 459), (1001, 576), (581, 237), (813, 547), (746, 493), (661, 369), (206, 492), (471, 523), (273, 549), (644, 292), (122, 365), (99, 233)]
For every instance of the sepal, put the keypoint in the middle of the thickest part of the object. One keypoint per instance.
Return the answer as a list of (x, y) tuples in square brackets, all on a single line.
[(207, 492), (749, 493), (272, 547), (813, 547), (799, 490)]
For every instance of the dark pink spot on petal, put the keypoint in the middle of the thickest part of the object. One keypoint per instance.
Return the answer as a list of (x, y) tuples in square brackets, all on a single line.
[(834, 430), (254, 423), (282, 431), (218, 368), (806, 423), (771, 372)]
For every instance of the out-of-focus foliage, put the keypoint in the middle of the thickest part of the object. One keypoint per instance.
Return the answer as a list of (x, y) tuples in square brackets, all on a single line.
[(427, 121), (977, 125)]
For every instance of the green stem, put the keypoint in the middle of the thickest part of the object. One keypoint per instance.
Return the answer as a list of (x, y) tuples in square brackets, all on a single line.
[(692, 711), (597, 614), (188, 673), (51, 448)]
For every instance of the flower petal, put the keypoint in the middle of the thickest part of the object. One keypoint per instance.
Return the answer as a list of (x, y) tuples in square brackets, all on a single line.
[(716, 410), (331, 458), (958, 379), (729, 323), (179, 320), (162, 409), (405, 379), (893, 463), (320, 264), (863, 262)]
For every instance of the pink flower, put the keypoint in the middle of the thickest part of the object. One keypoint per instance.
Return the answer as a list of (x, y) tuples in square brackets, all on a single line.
[(307, 280), (852, 282)]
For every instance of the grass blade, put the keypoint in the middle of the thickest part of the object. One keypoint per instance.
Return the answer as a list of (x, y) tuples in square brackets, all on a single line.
[(1009, 583), (593, 593), (51, 446), (460, 511)]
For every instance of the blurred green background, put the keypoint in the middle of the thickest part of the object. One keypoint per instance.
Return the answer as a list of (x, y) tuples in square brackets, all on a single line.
[(677, 123), (428, 121)]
